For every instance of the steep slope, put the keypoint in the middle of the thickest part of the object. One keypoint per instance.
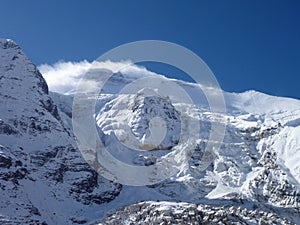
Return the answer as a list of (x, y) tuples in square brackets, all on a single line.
[(43, 178), (256, 167)]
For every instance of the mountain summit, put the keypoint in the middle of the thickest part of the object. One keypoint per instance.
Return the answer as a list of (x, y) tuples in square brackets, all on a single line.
[(43, 178)]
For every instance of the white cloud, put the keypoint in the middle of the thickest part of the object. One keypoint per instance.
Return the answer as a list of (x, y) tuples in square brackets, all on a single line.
[(63, 77)]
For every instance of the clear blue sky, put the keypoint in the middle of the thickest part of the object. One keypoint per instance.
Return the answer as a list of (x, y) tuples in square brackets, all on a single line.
[(248, 44)]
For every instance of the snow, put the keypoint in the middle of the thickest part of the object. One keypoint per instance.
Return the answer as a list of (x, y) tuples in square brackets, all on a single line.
[(287, 145), (36, 138), (236, 166), (253, 120), (258, 160)]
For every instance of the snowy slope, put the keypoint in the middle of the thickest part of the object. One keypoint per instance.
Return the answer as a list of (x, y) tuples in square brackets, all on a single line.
[(253, 178), (256, 165), (43, 178)]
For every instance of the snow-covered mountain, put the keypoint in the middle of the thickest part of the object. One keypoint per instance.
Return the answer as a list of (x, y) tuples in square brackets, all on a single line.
[(43, 177), (254, 178)]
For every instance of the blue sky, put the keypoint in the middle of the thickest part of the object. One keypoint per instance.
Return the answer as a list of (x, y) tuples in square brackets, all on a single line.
[(247, 44)]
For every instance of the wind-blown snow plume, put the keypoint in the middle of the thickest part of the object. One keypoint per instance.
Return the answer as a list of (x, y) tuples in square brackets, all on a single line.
[(63, 77)]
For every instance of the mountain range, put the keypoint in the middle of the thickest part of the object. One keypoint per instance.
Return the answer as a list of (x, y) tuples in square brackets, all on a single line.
[(252, 178)]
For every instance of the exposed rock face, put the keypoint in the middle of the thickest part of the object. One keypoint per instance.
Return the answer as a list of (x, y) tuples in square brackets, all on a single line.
[(42, 173), (146, 108), (184, 213)]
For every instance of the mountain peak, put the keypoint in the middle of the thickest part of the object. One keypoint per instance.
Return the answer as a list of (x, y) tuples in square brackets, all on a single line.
[(15, 65), (24, 92), (6, 41), (38, 152)]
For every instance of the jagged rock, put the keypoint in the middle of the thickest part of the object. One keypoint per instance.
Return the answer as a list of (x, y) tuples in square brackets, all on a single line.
[(186, 213), (41, 168)]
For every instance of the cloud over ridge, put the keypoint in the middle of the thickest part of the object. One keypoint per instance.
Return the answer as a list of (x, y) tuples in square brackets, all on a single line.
[(63, 77)]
